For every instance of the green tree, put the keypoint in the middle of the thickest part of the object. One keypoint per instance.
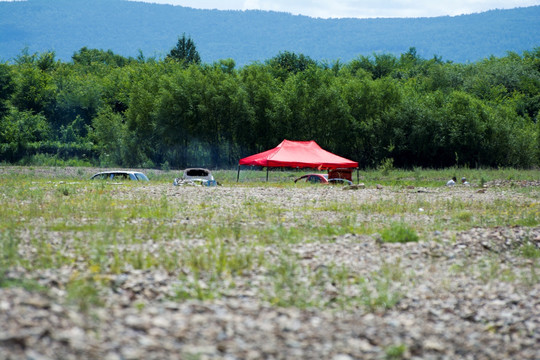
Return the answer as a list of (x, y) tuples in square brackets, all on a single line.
[(464, 118), (143, 142), (176, 112), (424, 140), (258, 131), (287, 63), (34, 85), (77, 96), (372, 104), (88, 57), (109, 133), (185, 52), (381, 65), (7, 87), (19, 129), (222, 105)]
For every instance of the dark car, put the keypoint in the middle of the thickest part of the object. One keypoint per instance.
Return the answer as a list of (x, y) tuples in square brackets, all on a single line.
[(338, 181), (322, 179), (314, 178), (120, 175)]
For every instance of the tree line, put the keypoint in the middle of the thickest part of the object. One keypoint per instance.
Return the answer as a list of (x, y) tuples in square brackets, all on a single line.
[(108, 110)]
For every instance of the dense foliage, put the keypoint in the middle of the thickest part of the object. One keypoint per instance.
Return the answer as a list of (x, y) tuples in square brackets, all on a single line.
[(128, 27), (379, 110)]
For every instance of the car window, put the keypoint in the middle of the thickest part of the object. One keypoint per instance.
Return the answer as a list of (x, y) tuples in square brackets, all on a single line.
[(141, 176), (120, 177)]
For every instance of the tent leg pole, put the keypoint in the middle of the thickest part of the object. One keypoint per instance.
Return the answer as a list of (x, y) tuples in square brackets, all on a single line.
[(238, 175), (358, 175), (267, 174)]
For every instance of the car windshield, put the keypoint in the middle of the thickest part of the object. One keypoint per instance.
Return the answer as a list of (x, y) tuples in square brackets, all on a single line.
[(315, 178), (197, 172), (141, 176)]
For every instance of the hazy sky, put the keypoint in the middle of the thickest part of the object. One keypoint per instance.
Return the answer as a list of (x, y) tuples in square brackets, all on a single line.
[(357, 8)]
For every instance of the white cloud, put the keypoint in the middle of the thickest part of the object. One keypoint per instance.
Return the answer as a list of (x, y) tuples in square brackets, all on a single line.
[(357, 8)]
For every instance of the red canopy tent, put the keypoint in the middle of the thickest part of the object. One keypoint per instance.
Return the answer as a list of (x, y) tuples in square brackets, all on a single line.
[(298, 154)]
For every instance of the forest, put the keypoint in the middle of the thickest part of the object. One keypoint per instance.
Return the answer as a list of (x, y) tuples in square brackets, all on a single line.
[(103, 109)]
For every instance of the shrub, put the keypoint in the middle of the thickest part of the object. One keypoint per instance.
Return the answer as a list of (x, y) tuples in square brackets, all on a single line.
[(399, 233)]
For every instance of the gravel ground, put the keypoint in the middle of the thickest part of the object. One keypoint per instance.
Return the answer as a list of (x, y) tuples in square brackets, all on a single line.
[(464, 295)]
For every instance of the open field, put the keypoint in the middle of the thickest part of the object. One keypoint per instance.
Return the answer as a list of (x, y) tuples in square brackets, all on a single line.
[(413, 270)]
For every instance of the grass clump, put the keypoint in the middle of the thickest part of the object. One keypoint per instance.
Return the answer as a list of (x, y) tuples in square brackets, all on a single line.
[(529, 250), (292, 286), (383, 289), (195, 287), (9, 249), (83, 292), (395, 352), (26, 284), (399, 233), (212, 270), (288, 284), (465, 216)]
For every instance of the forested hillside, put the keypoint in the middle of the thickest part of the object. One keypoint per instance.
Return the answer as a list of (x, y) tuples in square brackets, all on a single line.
[(108, 110), (128, 28)]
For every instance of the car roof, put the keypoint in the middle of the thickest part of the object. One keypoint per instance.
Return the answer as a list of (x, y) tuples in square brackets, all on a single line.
[(118, 172), (197, 168)]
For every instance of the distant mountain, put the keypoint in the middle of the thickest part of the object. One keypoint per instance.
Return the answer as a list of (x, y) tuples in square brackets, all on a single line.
[(127, 28)]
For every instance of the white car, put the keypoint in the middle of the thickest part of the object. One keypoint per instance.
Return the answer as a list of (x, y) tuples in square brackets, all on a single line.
[(196, 176), (120, 175)]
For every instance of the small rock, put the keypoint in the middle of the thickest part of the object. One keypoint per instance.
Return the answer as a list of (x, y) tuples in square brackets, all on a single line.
[(33, 355), (342, 357), (4, 306), (37, 303), (434, 345), (355, 187)]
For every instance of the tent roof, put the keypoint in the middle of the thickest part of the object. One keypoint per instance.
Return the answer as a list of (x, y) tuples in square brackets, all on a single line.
[(303, 154)]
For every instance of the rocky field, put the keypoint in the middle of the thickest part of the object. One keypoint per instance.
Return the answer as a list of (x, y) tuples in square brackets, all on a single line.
[(152, 271)]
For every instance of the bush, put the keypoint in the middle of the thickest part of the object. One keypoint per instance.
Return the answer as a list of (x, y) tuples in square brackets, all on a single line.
[(399, 233)]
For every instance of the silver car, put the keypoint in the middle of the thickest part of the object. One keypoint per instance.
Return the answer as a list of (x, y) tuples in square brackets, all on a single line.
[(120, 175), (196, 176)]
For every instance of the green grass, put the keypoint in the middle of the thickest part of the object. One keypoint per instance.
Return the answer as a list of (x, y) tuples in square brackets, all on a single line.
[(399, 233), (395, 352), (29, 285), (103, 230), (84, 293), (529, 250)]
